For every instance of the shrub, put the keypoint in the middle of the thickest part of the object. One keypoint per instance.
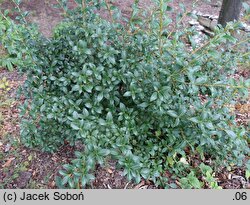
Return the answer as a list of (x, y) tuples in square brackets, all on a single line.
[(140, 95), (4, 87), (16, 43)]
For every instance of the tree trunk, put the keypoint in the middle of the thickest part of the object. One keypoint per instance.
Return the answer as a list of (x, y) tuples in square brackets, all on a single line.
[(230, 11)]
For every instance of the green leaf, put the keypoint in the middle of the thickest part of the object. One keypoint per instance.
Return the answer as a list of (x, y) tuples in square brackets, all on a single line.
[(88, 105), (84, 181), (209, 125), (75, 115), (102, 122), (83, 44), (67, 166), (109, 116), (231, 134), (145, 173), (172, 113), (99, 97), (59, 183), (88, 51), (205, 169), (50, 116), (76, 88), (194, 182), (194, 119), (53, 78), (88, 88), (153, 96), (143, 105), (90, 177), (247, 174), (104, 152), (170, 160), (74, 126), (65, 180), (127, 94), (63, 172), (246, 7), (201, 80)]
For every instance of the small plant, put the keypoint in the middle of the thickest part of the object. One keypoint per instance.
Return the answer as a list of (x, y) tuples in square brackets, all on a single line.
[(4, 101), (191, 181), (4, 87), (14, 51), (208, 176), (9, 52), (198, 177), (247, 175)]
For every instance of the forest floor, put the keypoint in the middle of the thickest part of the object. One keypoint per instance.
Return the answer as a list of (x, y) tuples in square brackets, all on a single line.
[(21, 167)]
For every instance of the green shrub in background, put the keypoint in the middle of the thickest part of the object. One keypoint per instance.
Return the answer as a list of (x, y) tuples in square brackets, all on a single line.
[(9, 53), (136, 93), (17, 41)]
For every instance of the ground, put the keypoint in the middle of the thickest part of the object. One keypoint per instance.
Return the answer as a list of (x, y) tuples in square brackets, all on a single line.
[(21, 167)]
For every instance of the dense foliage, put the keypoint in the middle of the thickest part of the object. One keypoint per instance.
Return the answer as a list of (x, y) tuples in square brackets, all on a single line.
[(14, 42), (139, 94)]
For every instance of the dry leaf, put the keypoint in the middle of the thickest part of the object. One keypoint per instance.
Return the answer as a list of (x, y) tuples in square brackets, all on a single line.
[(144, 187), (109, 171), (138, 186), (7, 147), (183, 160), (7, 164)]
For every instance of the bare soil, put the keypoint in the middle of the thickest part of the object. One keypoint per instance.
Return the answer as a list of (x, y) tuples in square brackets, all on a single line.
[(44, 13)]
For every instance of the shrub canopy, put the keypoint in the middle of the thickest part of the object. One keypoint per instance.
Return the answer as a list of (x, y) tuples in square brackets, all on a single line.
[(137, 92)]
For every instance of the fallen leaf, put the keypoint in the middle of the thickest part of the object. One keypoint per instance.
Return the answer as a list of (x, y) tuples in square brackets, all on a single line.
[(138, 186), (109, 171), (183, 160), (52, 184), (30, 157), (34, 173), (144, 187), (7, 164), (7, 148)]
